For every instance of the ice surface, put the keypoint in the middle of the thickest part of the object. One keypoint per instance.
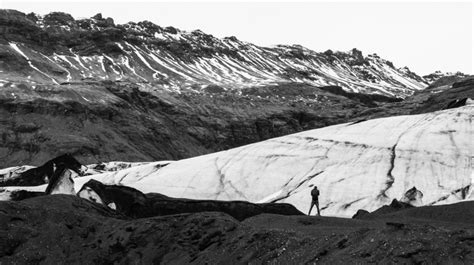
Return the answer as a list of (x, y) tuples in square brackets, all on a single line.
[(356, 166)]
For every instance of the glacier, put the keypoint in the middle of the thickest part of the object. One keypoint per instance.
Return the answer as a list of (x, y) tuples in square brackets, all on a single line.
[(362, 165), (359, 165)]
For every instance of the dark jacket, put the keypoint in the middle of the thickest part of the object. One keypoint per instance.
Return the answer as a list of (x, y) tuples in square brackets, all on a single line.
[(315, 194)]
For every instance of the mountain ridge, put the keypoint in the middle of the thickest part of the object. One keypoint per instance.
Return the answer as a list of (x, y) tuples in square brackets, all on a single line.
[(169, 58)]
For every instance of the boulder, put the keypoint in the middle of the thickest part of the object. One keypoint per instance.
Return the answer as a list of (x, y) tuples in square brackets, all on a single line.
[(413, 197)]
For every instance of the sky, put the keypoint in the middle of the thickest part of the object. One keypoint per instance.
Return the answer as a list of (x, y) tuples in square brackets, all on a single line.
[(425, 36)]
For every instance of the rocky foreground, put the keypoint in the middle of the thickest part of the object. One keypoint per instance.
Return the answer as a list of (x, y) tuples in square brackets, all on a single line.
[(63, 229)]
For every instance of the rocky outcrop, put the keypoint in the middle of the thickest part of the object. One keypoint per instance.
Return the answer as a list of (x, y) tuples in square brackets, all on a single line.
[(457, 103), (439, 78), (441, 97), (46, 173), (133, 203), (413, 197), (393, 207)]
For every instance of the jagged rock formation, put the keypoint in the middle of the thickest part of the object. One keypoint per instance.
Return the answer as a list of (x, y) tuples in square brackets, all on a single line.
[(61, 182), (438, 78), (42, 174), (413, 197)]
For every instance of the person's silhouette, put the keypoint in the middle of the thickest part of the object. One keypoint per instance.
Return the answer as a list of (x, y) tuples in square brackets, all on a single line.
[(314, 200)]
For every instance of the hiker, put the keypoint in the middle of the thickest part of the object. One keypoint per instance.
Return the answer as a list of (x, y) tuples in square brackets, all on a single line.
[(314, 200)]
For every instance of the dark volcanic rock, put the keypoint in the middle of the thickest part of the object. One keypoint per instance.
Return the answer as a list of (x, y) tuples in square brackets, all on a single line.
[(240, 210), (133, 203), (360, 214), (395, 206), (42, 174), (19, 195), (456, 103)]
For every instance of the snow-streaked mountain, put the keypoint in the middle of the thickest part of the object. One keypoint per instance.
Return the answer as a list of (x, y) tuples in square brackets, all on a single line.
[(56, 48), (361, 165)]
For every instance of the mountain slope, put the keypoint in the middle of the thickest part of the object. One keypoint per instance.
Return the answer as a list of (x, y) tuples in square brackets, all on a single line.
[(86, 87), (56, 48), (361, 165), (105, 121)]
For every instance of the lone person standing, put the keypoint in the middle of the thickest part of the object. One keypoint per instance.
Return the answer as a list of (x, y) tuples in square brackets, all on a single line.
[(314, 200)]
